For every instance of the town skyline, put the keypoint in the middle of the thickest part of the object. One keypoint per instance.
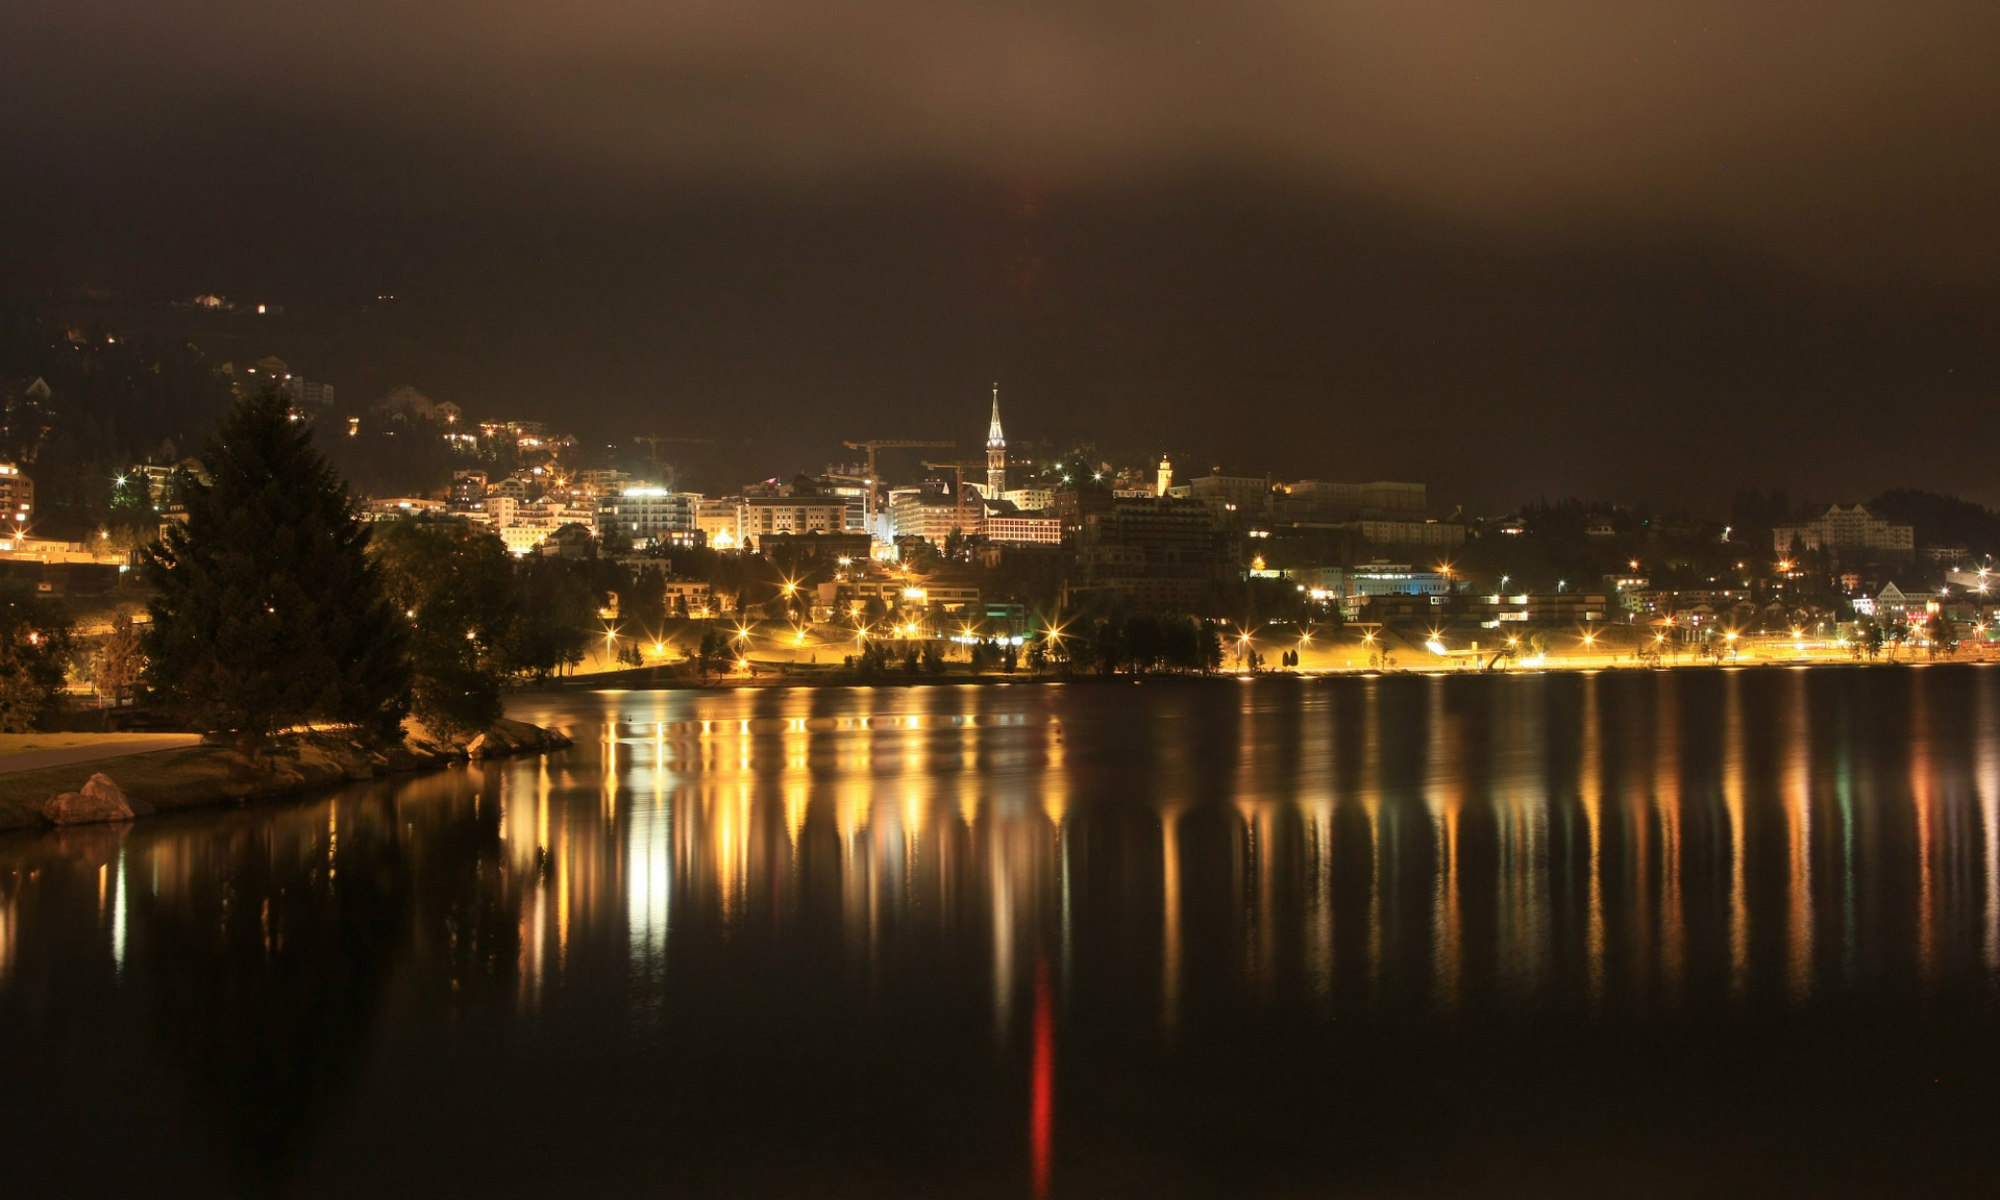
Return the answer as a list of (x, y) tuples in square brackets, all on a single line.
[(1648, 254), (714, 452)]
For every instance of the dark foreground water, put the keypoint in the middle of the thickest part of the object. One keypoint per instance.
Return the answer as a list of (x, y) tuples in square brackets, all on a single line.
[(1625, 934)]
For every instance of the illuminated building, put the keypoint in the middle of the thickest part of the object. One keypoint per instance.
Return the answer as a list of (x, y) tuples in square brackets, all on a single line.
[(721, 522), (17, 496), (764, 515), (646, 512), (1030, 500), (691, 595), (468, 489), (395, 507), (1021, 528), (1848, 530), (933, 517), (996, 451)]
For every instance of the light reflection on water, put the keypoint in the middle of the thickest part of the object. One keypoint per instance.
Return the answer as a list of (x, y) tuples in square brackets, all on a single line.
[(1077, 874)]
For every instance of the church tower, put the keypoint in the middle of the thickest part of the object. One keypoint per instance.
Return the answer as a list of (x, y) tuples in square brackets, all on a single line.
[(1166, 477), (996, 452)]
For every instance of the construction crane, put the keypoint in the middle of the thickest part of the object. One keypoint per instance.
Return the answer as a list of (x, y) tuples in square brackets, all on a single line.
[(958, 470), (874, 479)]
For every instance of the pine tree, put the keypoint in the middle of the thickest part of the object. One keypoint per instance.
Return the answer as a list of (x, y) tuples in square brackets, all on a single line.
[(269, 611)]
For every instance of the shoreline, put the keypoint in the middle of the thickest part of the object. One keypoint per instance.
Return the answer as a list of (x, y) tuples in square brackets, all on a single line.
[(208, 776), (665, 679)]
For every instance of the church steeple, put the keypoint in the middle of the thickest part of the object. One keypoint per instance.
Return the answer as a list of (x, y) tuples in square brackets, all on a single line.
[(996, 452)]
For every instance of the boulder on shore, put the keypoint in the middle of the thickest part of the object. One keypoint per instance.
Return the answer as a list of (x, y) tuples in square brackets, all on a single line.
[(514, 737), (100, 800)]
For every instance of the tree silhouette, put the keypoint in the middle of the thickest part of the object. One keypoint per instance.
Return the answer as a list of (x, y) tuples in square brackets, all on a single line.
[(268, 609), (454, 585)]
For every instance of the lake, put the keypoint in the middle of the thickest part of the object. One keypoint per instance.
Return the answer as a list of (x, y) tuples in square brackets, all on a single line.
[(1628, 933)]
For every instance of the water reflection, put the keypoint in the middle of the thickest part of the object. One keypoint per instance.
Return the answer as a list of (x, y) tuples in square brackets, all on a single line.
[(1035, 870)]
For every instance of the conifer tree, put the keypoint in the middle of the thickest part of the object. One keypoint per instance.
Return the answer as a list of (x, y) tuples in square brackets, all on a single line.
[(269, 611)]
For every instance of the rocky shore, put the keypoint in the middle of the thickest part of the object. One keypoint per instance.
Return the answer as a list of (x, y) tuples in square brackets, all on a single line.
[(122, 789)]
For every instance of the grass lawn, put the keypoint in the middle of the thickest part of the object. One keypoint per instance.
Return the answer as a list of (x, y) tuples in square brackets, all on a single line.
[(168, 780), (23, 743)]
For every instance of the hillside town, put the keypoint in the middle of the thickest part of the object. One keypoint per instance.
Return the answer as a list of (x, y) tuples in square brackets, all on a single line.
[(898, 551)]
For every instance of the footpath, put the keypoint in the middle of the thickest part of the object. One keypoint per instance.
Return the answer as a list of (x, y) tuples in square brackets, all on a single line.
[(36, 752)]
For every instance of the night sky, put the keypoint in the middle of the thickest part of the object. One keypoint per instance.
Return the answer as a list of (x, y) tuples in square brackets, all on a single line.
[(1646, 251)]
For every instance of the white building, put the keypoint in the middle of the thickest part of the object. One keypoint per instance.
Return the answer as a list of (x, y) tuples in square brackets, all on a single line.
[(766, 515), (646, 513), (1847, 529), (1020, 529), (524, 538), (720, 521), (1030, 499), (933, 518)]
